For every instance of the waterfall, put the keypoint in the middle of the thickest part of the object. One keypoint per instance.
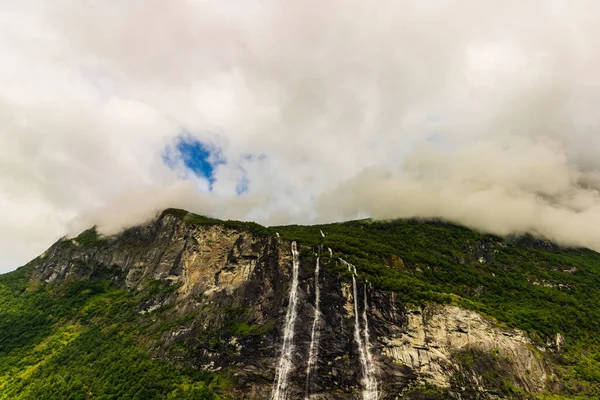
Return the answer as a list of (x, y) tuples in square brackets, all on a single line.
[(287, 348), (371, 390), (366, 358), (322, 234), (313, 352), (330, 252)]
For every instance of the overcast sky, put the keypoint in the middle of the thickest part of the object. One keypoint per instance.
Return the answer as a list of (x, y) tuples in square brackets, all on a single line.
[(482, 112)]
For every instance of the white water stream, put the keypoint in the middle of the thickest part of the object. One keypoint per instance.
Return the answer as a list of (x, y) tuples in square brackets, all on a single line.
[(313, 352), (370, 391), (287, 348), (369, 379)]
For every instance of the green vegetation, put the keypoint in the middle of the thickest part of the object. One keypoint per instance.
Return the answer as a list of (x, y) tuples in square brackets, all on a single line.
[(252, 227), (83, 340), (89, 238), (426, 392)]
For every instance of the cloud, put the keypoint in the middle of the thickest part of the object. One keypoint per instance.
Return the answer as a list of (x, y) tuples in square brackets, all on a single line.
[(482, 112), (523, 186), (139, 205)]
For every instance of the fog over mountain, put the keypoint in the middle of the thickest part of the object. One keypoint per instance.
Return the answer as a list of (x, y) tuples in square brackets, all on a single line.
[(480, 112)]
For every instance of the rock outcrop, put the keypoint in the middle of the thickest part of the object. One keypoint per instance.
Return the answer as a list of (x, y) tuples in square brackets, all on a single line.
[(441, 342)]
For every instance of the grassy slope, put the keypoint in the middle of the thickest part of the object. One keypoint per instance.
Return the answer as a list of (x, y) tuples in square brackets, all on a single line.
[(87, 339)]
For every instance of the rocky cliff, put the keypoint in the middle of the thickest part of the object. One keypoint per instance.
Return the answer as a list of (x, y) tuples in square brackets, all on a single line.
[(226, 292)]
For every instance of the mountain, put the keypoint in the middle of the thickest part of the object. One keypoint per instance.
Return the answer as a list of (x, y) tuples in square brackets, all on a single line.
[(188, 307)]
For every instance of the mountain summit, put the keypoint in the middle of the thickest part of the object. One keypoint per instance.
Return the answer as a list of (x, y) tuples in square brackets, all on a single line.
[(189, 307)]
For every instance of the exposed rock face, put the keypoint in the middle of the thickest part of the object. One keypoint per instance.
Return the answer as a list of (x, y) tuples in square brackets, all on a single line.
[(435, 337), (198, 259), (228, 300)]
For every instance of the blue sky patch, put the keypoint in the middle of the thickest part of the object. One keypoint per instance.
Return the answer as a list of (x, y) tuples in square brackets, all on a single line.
[(198, 157), (192, 156)]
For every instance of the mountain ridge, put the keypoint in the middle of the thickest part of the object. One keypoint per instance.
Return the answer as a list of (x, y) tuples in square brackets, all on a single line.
[(172, 268)]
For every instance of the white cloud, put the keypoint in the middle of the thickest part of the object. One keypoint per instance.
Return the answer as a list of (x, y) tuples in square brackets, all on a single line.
[(482, 112)]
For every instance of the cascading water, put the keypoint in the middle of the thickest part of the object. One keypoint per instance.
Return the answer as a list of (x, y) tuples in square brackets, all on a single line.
[(313, 352), (330, 252), (287, 348), (366, 358), (322, 234), (372, 393)]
